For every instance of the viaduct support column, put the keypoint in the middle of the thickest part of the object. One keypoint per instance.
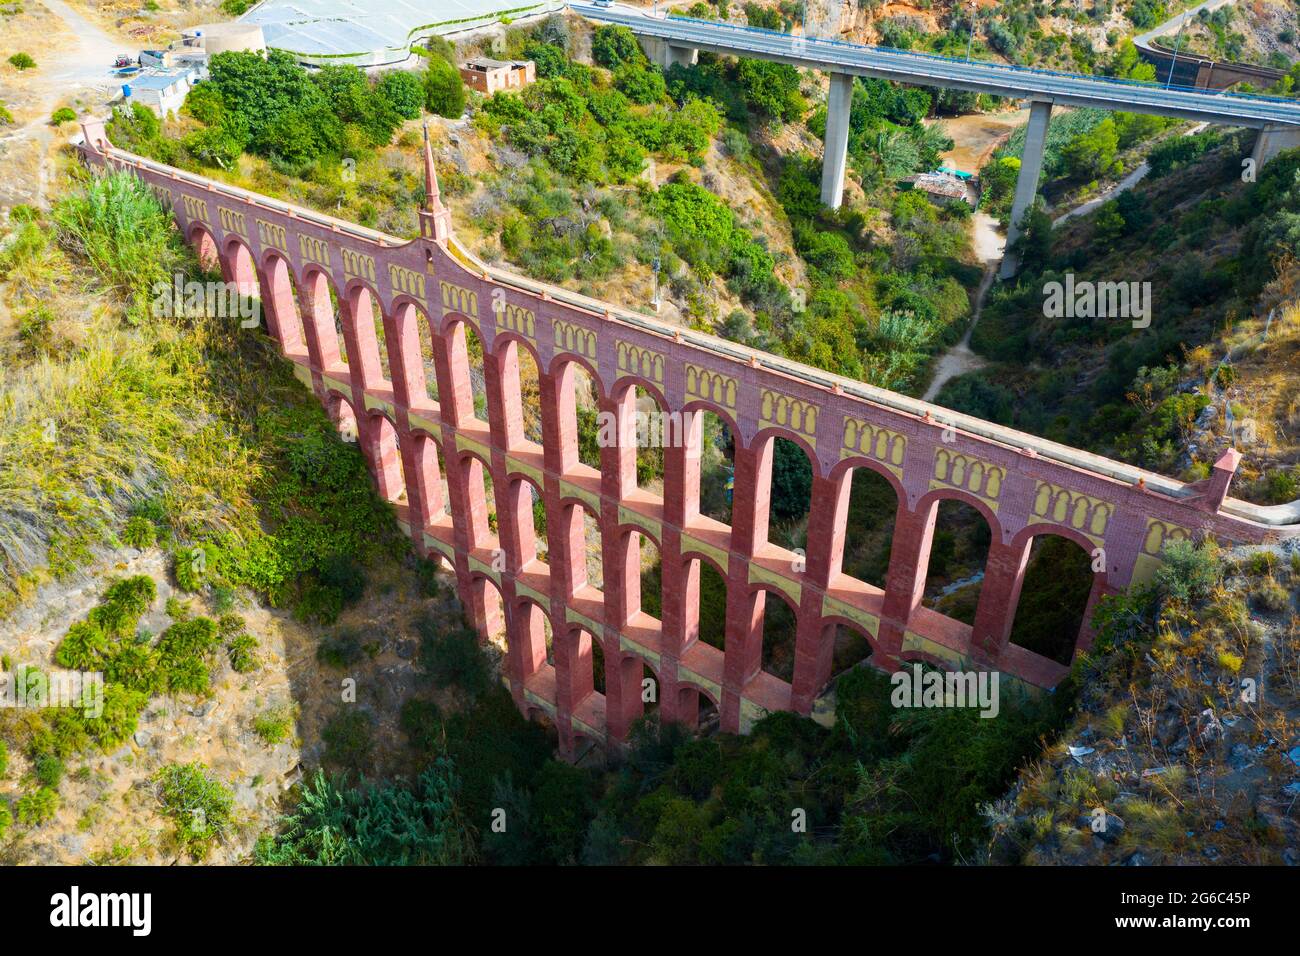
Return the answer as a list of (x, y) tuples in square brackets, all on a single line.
[(464, 476), (664, 54), (1004, 573), (1272, 140), (814, 648), (836, 152), (743, 646), (909, 561), (1031, 165), (621, 568), (566, 552), (680, 605)]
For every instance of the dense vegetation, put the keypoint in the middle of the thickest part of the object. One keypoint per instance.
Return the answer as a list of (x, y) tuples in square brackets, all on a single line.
[(1103, 384)]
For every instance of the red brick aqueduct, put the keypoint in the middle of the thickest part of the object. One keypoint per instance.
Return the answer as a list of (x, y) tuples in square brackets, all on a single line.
[(301, 263)]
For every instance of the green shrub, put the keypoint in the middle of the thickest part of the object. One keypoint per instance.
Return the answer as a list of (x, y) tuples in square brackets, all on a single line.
[(37, 806), (452, 657), (348, 738), (193, 567), (125, 601), (48, 771), (422, 724), (83, 647), (374, 825), (241, 649), (63, 115), (444, 89), (4, 759), (22, 61), (183, 652), (136, 666), (275, 725), (139, 533), (342, 649), (1189, 572), (6, 818), (198, 806), (1271, 596)]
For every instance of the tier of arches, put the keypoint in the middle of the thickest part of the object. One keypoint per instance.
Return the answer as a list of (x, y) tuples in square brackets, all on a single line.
[(400, 357)]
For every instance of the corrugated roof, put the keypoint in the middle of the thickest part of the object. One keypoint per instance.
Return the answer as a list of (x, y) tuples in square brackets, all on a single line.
[(340, 28)]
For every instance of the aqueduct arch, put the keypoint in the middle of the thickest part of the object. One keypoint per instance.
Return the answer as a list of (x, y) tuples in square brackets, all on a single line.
[(1025, 486)]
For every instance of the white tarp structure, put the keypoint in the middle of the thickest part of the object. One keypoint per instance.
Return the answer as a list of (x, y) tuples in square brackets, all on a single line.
[(373, 32)]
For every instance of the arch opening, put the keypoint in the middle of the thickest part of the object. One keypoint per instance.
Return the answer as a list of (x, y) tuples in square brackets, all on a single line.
[(281, 299), (386, 459), (869, 529), (322, 314), (852, 648), (488, 612), (717, 451), (959, 550), (1054, 595), (343, 417), (789, 495), (780, 624)]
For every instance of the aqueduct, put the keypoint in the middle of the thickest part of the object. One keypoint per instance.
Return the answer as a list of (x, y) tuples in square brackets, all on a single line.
[(316, 275)]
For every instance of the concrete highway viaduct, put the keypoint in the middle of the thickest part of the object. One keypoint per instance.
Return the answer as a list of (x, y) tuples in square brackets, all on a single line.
[(678, 40), (327, 285)]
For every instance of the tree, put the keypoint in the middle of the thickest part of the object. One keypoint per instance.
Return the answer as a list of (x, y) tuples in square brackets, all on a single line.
[(772, 88), (444, 89), (791, 480), (402, 90), (612, 46), (1094, 153), (639, 84), (263, 90), (219, 145)]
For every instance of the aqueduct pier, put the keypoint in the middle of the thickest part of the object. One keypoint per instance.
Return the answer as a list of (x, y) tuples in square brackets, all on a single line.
[(300, 263)]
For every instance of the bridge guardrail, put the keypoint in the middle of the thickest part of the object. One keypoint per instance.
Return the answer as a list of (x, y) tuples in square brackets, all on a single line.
[(1183, 93), (1028, 70)]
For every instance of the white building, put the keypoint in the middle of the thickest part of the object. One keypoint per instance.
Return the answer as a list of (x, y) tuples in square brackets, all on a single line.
[(163, 91)]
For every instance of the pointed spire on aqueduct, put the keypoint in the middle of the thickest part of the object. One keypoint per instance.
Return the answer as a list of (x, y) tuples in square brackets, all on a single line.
[(435, 220)]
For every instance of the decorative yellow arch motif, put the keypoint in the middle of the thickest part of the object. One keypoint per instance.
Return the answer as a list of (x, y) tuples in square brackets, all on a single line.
[(406, 281), (968, 473), (314, 250), (232, 221), (515, 318), (783, 411), (642, 361), (710, 386), (273, 235), (164, 195), (1058, 505), (574, 338), (196, 209), (1158, 535), (358, 265), (455, 298), (861, 438)]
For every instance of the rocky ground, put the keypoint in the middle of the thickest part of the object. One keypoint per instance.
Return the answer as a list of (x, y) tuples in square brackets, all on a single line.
[(1184, 750), (109, 810)]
